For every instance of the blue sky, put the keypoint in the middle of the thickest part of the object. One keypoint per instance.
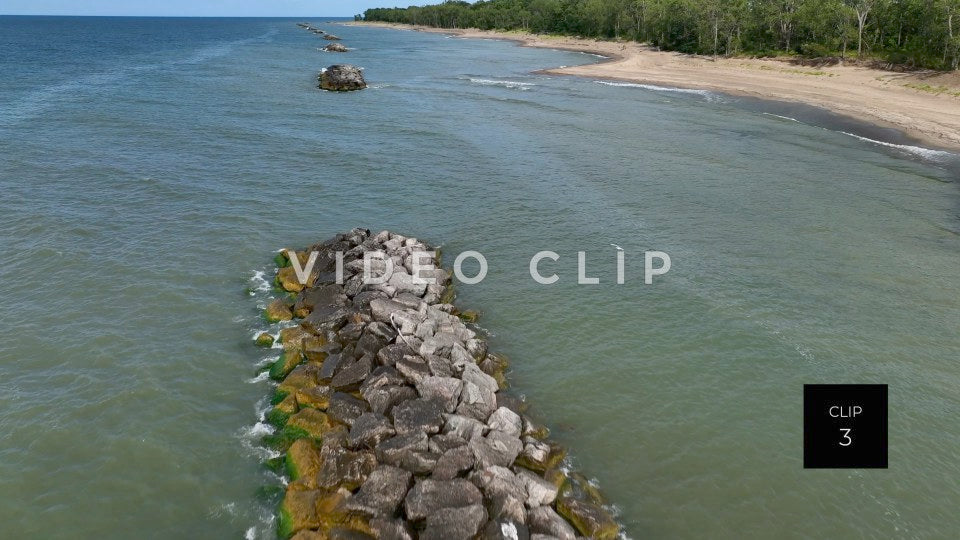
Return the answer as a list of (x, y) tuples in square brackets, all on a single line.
[(199, 8)]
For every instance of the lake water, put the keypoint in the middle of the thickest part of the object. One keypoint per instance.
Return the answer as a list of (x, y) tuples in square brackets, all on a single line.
[(150, 167)]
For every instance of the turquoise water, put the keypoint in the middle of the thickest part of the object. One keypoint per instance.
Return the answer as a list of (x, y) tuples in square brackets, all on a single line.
[(150, 167)]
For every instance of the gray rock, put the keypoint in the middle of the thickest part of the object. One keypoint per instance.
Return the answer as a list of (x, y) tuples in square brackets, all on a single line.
[(443, 390), (504, 492), (335, 47), (464, 427), (345, 408), (461, 523), (384, 398), (325, 317), (495, 481), (439, 344), (362, 299), (413, 368), (410, 300), (476, 402), (473, 373), (381, 308), (393, 353), (341, 77), (544, 520), (497, 448), (375, 336), (477, 349), (330, 367), (404, 283), (445, 441), (419, 462), (540, 492), (342, 467), (327, 295), (369, 430), (393, 450), (391, 529), (460, 356), (426, 329), (507, 421), (352, 375), (351, 332), (501, 529), (440, 366), (418, 415), (382, 493), (453, 463), (428, 496)]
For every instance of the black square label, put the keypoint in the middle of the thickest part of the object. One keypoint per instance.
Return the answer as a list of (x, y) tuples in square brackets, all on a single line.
[(845, 426)]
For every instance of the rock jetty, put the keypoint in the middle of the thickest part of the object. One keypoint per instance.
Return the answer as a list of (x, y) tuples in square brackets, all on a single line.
[(342, 78), (392, 415)]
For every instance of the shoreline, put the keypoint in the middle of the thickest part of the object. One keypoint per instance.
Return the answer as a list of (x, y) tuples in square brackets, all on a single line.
[(904, 101)]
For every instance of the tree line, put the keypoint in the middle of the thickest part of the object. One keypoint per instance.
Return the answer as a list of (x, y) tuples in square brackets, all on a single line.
[(915, 33)]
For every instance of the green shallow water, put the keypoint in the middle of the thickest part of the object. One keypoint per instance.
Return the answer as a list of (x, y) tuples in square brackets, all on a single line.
[(151, 167)]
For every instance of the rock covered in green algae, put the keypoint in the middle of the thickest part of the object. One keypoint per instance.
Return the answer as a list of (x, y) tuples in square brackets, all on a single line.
[(303, 462), (277, 311), (589, 519), (285, 364), (264, 340)]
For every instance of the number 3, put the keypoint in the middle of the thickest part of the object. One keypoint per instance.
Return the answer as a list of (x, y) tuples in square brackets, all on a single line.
[(846, 435)]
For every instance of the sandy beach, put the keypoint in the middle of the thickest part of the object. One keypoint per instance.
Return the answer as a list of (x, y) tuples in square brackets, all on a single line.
[(923, 104)]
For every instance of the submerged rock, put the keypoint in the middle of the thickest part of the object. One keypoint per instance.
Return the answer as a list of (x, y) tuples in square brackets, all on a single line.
[(342, 78), (331, 37), (335, 47)]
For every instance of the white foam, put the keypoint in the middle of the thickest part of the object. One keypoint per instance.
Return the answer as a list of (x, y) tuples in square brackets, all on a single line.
[(507, 84), (704, 93), (927, 153), (263, 376), (268, 360), (259, 281), (259, 430), (782, 117)]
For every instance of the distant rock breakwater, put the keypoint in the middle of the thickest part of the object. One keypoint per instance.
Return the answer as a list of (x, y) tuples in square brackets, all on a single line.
[(392, 413)]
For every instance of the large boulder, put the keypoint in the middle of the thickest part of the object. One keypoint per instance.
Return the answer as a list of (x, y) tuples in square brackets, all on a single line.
[(277, 311), (589, 519), (455, 523), (335, 47), (383, 492), (429, 496), (342, 78), (543, 520)]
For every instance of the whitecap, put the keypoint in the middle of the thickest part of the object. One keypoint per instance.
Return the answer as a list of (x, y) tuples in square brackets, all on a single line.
[(920, 151), (704, 93), (517, 85), (263, 376), (782, 117)]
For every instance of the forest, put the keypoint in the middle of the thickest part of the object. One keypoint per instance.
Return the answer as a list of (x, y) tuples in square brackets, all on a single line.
[(907, 33)]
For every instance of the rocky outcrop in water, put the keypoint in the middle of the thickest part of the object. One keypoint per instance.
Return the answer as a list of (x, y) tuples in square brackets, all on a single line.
[(331, 37), (335, 47), (342, 78), (394, 418)]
